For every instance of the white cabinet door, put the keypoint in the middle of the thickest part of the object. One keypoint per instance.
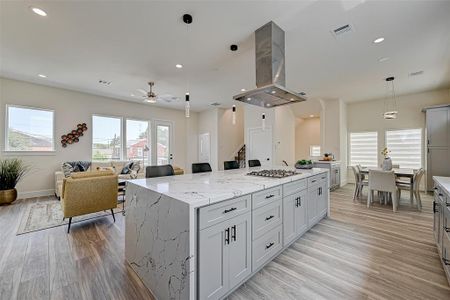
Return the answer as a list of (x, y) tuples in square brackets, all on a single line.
[(213, 261), (322, 200), (311, 207), (289, 215), (437, 127), (240, 252), (301, 221)]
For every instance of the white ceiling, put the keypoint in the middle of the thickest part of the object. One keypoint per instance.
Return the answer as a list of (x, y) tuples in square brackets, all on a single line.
[(132, 42)]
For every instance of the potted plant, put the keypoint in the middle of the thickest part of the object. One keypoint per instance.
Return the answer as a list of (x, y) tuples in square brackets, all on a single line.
[(304, 164), (11, 172), (387, 163)]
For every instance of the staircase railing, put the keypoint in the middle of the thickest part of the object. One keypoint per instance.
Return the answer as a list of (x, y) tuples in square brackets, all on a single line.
[(240, 157)]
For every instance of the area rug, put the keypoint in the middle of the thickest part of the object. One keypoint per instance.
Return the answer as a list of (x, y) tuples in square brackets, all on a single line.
[(48, 214)]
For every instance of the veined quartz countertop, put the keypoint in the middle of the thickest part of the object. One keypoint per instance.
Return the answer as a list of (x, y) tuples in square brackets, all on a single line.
[(327, 161), (444, 182), (207, 188)]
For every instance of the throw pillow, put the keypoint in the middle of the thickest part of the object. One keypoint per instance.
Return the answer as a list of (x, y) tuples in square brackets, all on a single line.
[(106, 169), (135, 169), (67, 169), (83, 166), (127, 168)]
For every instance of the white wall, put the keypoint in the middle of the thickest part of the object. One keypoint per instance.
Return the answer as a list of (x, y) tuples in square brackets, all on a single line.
[(72, 108), (208, 121), (307, 133), (284, 135), (231, 137), (368, 115)]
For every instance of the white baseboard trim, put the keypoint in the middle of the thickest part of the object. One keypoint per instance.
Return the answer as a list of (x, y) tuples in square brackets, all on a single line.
[(34, 194)]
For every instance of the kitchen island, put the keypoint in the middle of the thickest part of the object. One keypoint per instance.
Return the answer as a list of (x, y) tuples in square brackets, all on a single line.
[(200, 236)]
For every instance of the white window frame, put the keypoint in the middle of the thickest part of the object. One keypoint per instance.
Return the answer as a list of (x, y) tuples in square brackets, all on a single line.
[(121, 135), (350, 148), (149, 137), (421, 142), (311, 151), (7, 150)]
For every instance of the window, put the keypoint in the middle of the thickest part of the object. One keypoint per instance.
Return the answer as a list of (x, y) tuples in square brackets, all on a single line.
[(314, 151), (138, 141), (29, 129), (106, 138), (364, 149), (405, 147)]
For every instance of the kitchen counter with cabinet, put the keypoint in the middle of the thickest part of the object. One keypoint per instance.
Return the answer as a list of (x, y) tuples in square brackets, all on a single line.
[(334, 166), (441, 227), (200, 236)]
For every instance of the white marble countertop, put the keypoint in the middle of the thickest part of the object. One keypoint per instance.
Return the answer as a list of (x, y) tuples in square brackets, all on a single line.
[(444, 182), (327, 161), (207, 188)]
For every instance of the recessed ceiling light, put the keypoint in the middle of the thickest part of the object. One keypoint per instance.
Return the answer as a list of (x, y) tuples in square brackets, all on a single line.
[(383, 59), (148, 101), (378, 40), (268, 104), (39, 11), (248, 99), (242, 90), (178, 66), (292, 99), (42, 75), (132, 95), (273, 92), (311, 116)]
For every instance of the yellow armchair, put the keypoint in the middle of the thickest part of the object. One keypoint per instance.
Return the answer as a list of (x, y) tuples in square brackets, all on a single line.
[(89, 192)]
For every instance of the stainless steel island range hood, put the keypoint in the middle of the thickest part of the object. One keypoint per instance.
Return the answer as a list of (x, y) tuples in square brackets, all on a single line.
[(270, 72)]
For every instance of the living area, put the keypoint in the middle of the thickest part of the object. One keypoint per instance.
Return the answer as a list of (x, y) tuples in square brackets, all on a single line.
[(139, 160)]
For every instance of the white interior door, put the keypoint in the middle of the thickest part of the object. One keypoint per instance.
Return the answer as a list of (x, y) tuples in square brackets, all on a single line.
[(260, 145), (163, 145), (204, 147)]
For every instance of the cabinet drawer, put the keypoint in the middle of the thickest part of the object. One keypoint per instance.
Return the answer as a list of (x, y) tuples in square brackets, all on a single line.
[(317, 179), (446, 221), (266, 218), (266, 247), (267, 196), (216, 213), (294, 187)]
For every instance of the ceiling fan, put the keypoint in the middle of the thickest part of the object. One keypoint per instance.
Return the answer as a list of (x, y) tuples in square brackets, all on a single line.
[(151, 97)]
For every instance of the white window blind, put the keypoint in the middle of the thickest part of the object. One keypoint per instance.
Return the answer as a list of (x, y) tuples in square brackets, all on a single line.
[(314, 151), (364, 149), (406, 147)]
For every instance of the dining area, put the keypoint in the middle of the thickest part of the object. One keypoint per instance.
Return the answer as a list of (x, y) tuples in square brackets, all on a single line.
[(385, 185)]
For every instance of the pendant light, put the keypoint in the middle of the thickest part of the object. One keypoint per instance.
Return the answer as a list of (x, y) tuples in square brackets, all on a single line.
[(187, 106), (187, 19), (390, 103), (263, 121), (234, 115)]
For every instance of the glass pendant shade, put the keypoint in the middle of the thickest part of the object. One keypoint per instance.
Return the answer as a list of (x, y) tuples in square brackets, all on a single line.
[(263, 121), (234, 115), (390, 103), (187, 106)]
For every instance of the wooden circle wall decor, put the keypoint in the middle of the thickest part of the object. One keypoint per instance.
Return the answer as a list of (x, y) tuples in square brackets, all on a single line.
[(74, 135)]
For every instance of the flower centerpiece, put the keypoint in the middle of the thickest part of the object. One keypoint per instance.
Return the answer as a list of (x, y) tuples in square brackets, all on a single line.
[(387, 162), (11, 172)]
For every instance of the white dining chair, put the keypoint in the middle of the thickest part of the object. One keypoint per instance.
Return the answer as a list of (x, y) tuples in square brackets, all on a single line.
[(414, 188), (382, 181), (360, 181)]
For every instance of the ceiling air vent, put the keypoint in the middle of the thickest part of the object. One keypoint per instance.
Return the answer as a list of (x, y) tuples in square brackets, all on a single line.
[(342, 30), (215, 104), (416, 73)]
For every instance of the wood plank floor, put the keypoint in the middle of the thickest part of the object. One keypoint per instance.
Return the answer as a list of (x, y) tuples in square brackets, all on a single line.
[(357, 253)]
